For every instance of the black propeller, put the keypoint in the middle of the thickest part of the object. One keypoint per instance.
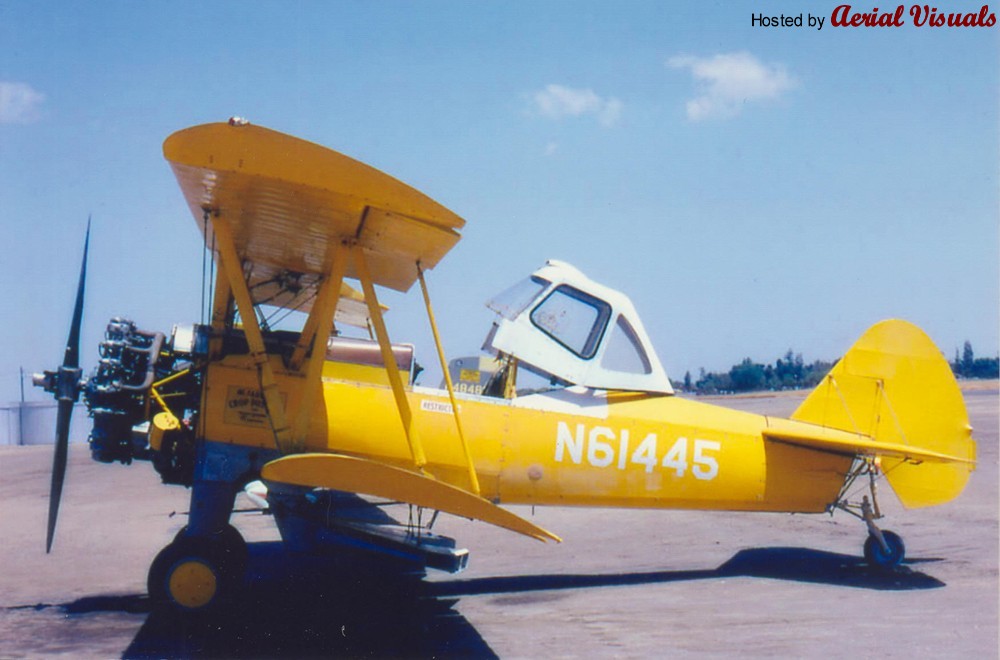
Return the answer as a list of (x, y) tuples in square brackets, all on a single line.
[(66, 384)]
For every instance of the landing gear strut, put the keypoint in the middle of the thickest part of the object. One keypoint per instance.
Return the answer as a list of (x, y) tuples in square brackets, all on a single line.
[(197, 573), (206, 563), (883, 549)]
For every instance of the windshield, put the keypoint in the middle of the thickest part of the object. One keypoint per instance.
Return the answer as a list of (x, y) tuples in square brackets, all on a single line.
[(517, 298), (573, 318)]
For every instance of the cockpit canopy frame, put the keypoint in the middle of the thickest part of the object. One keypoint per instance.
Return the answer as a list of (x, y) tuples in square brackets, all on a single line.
[(560, 322)]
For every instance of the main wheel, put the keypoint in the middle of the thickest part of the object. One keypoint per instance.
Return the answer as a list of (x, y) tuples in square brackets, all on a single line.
[(229, 543), (192, 574), (878, 557)]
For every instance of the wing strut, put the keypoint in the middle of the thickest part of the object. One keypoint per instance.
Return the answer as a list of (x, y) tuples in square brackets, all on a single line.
[(230, 264), (320, 328), (391, 368), (473, 479), (222, 302), (320, 322)]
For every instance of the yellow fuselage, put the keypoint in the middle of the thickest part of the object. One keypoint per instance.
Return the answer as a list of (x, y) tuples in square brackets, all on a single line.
[(569, 447)]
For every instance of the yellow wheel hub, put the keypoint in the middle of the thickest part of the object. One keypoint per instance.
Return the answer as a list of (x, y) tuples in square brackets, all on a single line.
[(192, 584)]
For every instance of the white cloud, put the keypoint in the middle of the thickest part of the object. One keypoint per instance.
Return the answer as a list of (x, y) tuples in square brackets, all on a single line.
[(557, 102), (551, 148), (727, 81), (19, 103)]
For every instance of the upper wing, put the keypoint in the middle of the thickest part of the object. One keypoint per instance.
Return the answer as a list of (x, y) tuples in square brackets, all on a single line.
[(289, 202), (351, 308)]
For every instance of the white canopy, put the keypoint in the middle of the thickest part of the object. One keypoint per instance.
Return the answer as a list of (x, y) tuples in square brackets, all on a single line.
[(560, 322)]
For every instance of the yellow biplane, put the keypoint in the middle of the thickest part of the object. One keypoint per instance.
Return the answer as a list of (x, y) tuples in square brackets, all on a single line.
[(335, 425)]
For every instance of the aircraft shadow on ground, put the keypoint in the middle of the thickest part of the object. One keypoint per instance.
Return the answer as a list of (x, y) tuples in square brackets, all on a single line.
[(296, 608), (303, 606), (794, 564)]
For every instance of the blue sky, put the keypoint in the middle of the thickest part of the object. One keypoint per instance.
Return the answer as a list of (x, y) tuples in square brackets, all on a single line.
[(752, 189)]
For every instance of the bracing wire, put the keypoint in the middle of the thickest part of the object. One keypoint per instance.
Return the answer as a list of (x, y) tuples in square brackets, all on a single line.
[(289, 310), (204, 259), (211, 279), (882, 475)]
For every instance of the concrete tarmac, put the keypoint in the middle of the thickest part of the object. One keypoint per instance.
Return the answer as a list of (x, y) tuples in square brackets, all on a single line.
[(622, 584)]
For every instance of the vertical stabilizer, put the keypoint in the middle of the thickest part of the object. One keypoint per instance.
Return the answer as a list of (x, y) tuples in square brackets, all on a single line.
[(894, 385)]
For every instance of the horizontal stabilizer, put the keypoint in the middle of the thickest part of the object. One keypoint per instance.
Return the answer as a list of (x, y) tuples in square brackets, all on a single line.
[(851, 444), (359, 475)]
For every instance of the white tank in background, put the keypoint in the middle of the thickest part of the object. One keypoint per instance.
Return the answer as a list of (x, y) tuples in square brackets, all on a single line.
[(33, 423)]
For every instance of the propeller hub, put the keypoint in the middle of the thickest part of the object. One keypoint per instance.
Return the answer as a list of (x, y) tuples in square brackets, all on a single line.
[(68, 384)]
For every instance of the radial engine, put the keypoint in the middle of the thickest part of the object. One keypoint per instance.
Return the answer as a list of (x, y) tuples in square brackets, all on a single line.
[(144, 397)]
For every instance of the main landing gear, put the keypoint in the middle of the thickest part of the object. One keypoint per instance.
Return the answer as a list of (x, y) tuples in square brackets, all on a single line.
[(197, 573), (883, 549), (206, 563)]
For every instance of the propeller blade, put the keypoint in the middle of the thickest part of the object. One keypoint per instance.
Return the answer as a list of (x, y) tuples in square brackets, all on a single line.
[(67, 391), (72, 356), (58, 467)]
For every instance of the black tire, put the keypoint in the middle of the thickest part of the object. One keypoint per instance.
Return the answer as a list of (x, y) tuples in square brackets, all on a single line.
[(879, 558), (230, 544), (192, 575)]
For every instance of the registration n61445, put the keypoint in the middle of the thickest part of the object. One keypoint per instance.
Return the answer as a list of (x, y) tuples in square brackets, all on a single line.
[(602, 446)]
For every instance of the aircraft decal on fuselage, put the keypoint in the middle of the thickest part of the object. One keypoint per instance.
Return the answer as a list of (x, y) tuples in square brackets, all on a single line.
[(603, 447), (245, 407)]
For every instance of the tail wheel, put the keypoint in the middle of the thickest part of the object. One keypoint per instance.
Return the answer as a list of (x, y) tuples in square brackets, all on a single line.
[(195, 574), (880, 557)]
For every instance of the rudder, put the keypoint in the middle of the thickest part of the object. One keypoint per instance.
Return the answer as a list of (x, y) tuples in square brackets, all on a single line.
[(894, 385)]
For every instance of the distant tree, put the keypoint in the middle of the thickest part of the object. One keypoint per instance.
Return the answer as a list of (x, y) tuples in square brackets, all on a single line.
[(770, 382), (747, 376), (722, 383), (968, 359), (713, 383), (985, 368), (788, 372), (816, 372), (791, 372)]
